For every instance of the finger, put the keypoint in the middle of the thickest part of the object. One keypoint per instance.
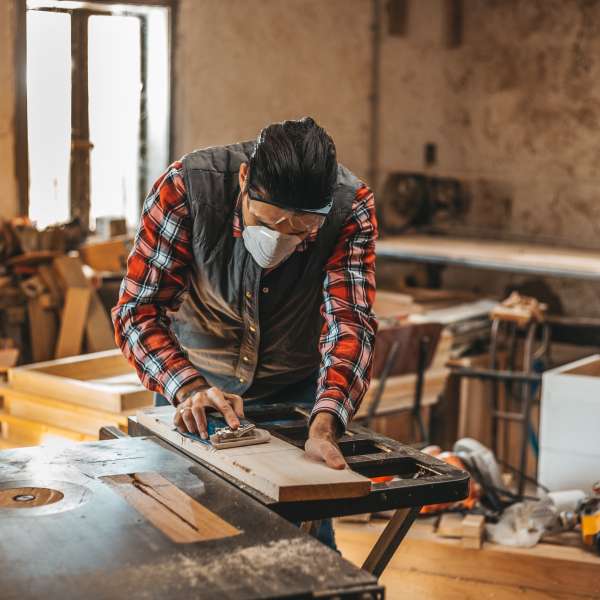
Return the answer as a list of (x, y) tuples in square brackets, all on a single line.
[(222, 405), (200, 420), (188, 420), (238, 404), (333, 457), (324, 451)]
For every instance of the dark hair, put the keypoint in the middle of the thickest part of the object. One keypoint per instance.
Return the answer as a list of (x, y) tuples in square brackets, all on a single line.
[(294, 162)]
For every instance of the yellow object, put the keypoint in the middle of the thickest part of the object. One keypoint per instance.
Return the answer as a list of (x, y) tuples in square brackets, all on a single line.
[(590, 528)]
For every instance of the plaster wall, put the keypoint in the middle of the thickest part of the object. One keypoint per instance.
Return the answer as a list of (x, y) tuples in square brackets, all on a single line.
[(242, 65), (515, 112), (9, 195)]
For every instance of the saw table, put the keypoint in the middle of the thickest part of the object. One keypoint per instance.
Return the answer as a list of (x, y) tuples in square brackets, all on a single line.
[(136, 517), (409, 479)]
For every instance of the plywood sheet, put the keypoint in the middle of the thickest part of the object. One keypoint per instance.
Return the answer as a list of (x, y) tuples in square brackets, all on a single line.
[(276, 469)]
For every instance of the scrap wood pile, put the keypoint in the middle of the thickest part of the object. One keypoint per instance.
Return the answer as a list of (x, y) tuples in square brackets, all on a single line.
[(50, 308), (49, 305)]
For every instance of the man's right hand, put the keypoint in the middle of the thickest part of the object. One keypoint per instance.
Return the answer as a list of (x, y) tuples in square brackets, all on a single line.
[(190, 415)]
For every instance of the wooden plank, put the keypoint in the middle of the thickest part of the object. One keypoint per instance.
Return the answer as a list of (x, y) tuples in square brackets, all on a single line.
[(34, 433), (73, 322), (504, 256), (107, 255), (277, 469), (99, 329), (59, 414), (399, 392), (179, 516), (42, 328), (102, 381)]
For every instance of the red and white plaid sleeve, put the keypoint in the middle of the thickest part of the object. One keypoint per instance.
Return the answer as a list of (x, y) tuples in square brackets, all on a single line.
[(348, 335), (158, 270)]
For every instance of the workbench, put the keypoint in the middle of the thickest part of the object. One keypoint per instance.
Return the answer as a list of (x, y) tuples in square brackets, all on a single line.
[(511, 257), (91, 542)]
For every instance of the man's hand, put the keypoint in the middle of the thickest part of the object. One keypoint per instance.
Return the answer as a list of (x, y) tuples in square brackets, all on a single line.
[(190, 414), (321, 444)]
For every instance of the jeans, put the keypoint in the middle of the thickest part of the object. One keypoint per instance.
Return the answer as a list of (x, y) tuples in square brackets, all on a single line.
[(298, 393)]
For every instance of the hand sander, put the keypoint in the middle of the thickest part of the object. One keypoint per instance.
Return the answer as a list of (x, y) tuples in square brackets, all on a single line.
[(222, 436)]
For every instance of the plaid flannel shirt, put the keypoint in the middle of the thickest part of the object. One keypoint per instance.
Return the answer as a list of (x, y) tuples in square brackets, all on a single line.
[(158, 272)]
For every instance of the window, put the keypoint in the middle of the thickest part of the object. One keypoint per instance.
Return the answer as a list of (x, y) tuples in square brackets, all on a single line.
[(98, 99)]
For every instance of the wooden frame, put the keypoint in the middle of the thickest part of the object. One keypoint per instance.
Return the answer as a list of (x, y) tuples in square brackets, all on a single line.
[(101, 381), (57, 413)]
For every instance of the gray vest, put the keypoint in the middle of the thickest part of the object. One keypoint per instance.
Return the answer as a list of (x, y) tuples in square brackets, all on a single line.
[(247, 331)]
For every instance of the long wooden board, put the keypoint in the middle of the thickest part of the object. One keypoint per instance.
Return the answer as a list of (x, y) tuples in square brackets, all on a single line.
[(276, 469), (58, 413), (102, 381), (487, 254)]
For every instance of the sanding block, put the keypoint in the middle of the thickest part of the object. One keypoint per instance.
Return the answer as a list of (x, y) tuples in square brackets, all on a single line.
[(220, 436)]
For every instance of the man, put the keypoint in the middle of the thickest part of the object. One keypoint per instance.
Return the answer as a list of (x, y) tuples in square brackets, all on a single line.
[(252, 277)]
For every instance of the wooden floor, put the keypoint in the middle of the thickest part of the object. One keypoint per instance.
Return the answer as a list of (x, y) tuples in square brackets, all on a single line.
[(425, 569)]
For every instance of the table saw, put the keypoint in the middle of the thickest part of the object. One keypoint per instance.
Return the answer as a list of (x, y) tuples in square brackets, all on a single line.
[(95, 520)]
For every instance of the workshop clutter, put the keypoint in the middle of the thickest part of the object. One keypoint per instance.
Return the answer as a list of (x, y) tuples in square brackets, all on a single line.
[(54, 305), (49, 301)]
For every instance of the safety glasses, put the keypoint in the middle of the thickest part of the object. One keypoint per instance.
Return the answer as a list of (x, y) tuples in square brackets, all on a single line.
[(272, 216)]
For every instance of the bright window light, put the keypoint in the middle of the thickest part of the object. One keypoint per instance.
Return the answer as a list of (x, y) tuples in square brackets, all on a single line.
[(48, 115), (114, 68)]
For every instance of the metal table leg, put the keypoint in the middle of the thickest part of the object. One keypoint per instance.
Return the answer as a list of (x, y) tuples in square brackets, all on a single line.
[(389, 540)]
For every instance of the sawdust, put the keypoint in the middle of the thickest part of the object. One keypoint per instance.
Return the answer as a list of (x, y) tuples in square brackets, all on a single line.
[(264, 566)]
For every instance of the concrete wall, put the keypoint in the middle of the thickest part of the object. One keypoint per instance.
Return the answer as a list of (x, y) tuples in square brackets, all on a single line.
[(242, 65), (515, 111), (8, 197)]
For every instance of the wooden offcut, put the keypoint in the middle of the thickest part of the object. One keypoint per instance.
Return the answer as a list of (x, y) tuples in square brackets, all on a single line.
[(276, 469), (99, 332), (179, 516), (73, 322)]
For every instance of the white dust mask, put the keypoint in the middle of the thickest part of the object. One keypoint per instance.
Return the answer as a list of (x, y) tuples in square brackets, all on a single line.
[(268, 247)]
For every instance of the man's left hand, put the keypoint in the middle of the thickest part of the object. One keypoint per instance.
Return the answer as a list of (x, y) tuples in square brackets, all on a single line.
[(321, 443)]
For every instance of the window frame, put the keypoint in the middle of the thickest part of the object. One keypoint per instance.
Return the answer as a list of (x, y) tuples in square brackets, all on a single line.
[(80, 150)]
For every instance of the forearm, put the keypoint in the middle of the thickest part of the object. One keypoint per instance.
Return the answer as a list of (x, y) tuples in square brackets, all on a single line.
[(348, 335), (147, 342)]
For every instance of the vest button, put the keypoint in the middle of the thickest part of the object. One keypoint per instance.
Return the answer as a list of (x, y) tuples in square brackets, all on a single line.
[(252, 328), (242, 380), (265, 290), (246, 359), (248, 295)]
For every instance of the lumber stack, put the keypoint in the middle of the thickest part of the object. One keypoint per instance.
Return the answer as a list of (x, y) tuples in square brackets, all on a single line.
[(69, 399), (49, 303)]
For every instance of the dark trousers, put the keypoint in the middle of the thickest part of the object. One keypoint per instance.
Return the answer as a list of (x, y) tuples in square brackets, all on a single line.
[(303, 393)]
